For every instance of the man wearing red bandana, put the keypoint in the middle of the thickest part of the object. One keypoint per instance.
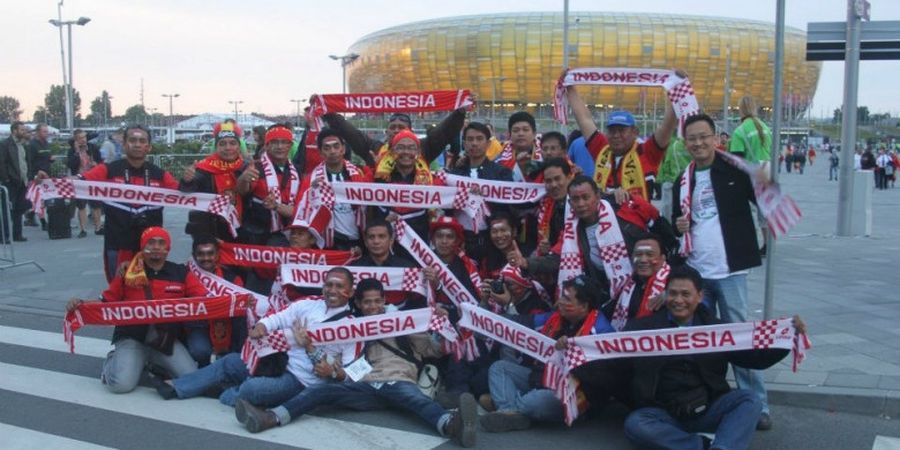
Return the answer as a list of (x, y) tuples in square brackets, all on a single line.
[(270, 186), (217, 174), (148, 277)]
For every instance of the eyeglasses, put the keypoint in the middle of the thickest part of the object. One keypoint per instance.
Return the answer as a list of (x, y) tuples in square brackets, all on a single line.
[(700, 138)]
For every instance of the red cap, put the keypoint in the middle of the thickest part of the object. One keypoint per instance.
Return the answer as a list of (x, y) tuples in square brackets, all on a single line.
[(279, 132), (404, 135), (448, 222), (156, 232)]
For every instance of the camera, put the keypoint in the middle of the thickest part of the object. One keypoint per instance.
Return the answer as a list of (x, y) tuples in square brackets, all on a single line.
[(497, 286)]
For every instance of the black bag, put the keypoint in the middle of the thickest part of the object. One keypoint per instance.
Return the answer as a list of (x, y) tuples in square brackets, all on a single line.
[(689, 404), (58, 219)]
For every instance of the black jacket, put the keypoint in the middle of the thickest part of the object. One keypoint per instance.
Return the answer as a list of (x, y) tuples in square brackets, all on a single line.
[(733, 191), (10, 174), (73, 162), (711, 367), (434, 143), (200, 222), (38, 157)]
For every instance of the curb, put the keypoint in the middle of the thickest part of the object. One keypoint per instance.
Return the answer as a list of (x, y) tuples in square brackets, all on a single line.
[(870, 402)]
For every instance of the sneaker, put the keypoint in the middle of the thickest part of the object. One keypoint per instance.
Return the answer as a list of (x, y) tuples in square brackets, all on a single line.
[(99, 232), (503, 421), (764, 423), (82, 234), (468, 417), (165, 390)]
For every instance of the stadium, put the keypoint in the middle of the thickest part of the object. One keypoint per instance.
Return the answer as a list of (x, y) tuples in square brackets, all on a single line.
[(513, 60)]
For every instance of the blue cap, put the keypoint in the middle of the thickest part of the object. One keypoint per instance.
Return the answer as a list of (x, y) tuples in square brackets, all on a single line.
[(620, 118)]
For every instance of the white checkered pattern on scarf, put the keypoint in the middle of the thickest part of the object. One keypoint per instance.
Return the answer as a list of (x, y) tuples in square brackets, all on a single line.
[(219, 205), (570, 261), (64, 187), (680, 91), (764, 333), (574, 356), (410, 280), (613, 252), (620, 316), (461, 200)]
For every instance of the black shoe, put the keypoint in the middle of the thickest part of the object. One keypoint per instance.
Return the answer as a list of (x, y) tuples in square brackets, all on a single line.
[(82, 234), (165, 390), (462, 426), (99, 231), (500, 422), (43, 225), (764, 423), (20, 239), (254, 419)]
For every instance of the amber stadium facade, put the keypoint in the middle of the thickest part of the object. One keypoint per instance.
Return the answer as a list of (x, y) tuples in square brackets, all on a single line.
[(512, 60)]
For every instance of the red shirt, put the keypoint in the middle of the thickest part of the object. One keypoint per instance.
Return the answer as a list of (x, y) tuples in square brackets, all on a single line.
[(649, 152)]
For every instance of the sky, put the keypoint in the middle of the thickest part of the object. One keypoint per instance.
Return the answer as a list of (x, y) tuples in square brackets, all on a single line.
[(266, 52)]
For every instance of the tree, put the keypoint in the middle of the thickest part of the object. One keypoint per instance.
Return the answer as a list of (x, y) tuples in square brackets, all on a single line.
[(41, 115), (862, 115), (838, 115), (136, 114), (101, 109), (55, 103), (9, 109)]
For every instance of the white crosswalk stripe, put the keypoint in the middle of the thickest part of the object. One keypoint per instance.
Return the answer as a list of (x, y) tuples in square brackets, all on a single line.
[(886, 443), (202, 413), (18, 438)]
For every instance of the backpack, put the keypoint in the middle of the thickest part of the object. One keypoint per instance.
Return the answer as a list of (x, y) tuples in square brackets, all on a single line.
[(429, 377)]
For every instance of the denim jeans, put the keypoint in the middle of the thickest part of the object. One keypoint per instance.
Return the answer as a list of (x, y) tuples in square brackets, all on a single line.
[(729, 296), (732, 417), (231, 371), (512, 391), (363, 396), (197, 341), (124, 365)]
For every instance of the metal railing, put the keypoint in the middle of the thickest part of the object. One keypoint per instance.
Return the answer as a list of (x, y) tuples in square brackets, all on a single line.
[(7, 252)]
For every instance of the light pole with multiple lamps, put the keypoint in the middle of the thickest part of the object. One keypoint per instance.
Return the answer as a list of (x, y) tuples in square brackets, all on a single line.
[(171, 138), (67, 81), (345, 61), (236, 103)]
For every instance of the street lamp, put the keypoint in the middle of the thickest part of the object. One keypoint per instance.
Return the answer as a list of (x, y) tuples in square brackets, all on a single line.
[(493, 81), (171, 117), (236, 103), (67, 81), (298, 102), (345, 61)]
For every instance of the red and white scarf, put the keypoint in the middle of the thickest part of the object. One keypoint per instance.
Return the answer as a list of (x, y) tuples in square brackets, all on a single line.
[(403, 279), (654, 287), (454, 290), (311, 211), (613, 252), (376, 327), (382, 102), (217, 286), (678, 90), (284, 196), (501, 192), (103, 191), (545, 216), (507, 156), (144, 312), (263, 257), (779, 209)]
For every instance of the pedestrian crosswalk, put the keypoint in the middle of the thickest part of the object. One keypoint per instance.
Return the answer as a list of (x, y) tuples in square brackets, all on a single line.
[(886, 443), (202, 413)]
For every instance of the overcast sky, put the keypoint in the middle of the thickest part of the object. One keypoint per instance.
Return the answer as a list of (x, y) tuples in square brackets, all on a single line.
[(266, 52)]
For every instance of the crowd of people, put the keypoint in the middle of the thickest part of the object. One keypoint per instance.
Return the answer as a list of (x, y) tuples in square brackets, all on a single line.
[(544, 264)]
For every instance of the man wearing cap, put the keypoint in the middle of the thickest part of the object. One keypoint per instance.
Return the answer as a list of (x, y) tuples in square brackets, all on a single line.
[(622, 165), (522, 152), (271, 184), (436, 138), (404, 164), (125, 222), (148, 277), (345, 219), (216, 174)]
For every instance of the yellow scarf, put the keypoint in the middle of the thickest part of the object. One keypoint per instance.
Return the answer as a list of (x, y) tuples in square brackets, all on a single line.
[(135, 276), (385, 166), (632, 172)]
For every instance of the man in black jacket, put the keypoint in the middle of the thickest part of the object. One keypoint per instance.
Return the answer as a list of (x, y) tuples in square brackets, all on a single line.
[(475, 164), (722, 233), (14, 175), (679, 396)]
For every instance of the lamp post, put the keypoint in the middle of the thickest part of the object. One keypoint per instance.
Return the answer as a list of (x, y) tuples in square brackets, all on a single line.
[(67, 81), (345, 61), (171, 117), (236, 103), (298, 102), (493, 81)]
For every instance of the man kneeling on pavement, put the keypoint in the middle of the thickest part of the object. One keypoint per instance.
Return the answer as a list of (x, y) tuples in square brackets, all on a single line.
[(391, 381)]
